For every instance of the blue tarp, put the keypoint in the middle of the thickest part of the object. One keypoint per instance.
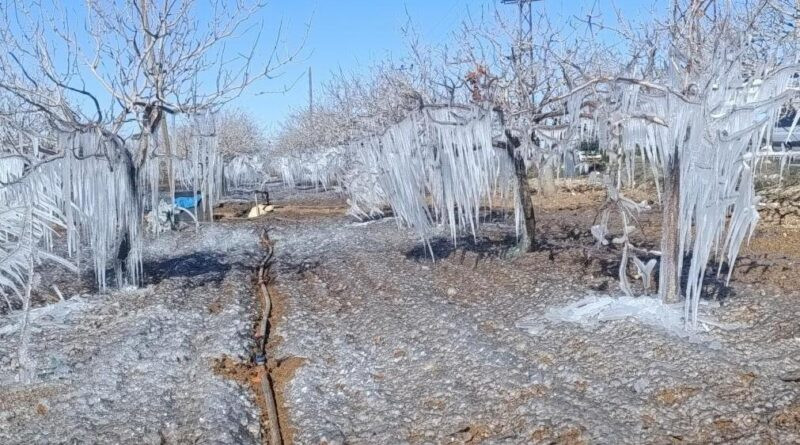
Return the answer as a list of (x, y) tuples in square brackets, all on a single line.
[(188, 202)]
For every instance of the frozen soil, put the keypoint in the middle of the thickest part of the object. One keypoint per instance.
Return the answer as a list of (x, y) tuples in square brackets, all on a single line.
[(372, 342), (387, 346), (138, 365)]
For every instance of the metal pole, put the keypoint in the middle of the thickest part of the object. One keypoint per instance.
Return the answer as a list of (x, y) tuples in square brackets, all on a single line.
[(310, 93), (524, 56)]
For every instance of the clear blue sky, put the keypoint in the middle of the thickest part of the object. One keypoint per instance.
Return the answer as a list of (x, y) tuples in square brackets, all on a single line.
[(352, 34)]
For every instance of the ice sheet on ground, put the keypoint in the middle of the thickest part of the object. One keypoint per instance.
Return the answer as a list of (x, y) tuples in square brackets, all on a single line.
[(594, 309)]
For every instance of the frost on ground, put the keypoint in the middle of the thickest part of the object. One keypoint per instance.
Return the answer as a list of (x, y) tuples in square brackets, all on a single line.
[(644, 309), (399, 349), (135, 366)]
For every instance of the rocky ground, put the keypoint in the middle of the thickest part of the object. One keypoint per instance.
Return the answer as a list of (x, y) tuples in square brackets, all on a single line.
[(374, 342), (380, 344), (141, 366)]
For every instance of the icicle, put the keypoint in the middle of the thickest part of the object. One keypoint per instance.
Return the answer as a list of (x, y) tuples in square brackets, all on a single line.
[(715, 141)]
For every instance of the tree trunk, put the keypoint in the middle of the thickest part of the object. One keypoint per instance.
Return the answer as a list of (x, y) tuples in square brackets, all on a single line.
[(547, 178), (168, 149), (528, 241), (669, 280)]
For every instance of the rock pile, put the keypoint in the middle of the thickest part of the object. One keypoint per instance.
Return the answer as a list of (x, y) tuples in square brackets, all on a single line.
[(780, 206)]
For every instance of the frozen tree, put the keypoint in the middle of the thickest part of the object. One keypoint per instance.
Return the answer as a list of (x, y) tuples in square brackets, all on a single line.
[(239, 134), (245, 172), (536, 86), (87, 129), (106, 83), (530, 78), (440, 165), (701, 120)]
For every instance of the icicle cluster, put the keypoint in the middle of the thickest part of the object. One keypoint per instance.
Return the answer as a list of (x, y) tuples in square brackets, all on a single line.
[(351, 168), (202, 171), (199, 170), (100, 203), (439, 166), (89, 192), (322, 168), (29, 214), (714, 136), (361, 182), (244, 172)]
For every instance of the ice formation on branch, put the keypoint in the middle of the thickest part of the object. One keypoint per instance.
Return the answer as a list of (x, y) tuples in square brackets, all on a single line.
[(88, 191), (706, 140), (197, 167), (100, 203), (322, 168), (29, 214), (351, 169), (439, 165), (91, 189), (244, 172)]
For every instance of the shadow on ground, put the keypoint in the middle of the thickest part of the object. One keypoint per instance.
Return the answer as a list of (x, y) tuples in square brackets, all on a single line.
[(714, 285), (187, 266), (444, 248)]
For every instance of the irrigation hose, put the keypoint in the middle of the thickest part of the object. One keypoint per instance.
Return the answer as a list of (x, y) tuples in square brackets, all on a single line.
[(266, 380)]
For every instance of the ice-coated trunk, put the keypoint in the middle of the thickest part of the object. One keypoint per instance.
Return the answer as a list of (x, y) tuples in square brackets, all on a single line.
[(547, 178), (528, 241), (168, 150), (669, 280)]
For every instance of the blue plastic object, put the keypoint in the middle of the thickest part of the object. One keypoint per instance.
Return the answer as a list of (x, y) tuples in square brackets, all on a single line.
[(188, 202)]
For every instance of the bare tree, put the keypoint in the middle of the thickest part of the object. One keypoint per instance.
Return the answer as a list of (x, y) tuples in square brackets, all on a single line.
[(147, 59), (701, 121), (121, 69), (239, 134), (538, 86)]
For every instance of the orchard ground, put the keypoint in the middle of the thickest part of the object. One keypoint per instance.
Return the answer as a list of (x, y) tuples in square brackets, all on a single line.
[(373, 341)]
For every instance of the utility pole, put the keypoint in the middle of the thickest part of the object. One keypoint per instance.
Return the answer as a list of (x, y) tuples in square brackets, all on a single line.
[(525, 24), (310, 93), (524, 50)]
